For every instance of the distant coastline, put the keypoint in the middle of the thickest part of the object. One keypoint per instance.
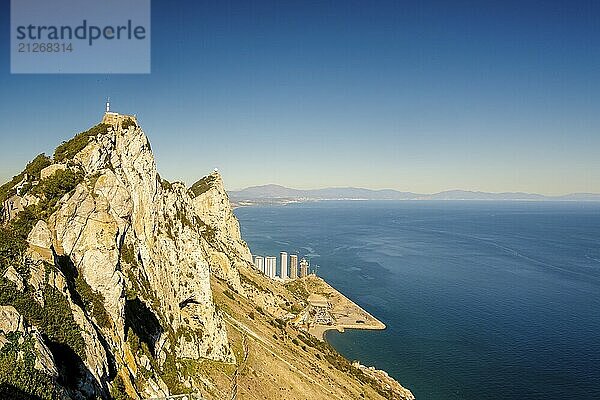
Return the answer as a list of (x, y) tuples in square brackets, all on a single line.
[(276, 194), (284, 202)]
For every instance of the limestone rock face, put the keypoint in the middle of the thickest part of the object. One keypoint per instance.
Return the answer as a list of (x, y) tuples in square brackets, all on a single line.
[(40, 241), (88, 236), (225, 245), (136, 242), (95, 357), (127, 251), (29, 200), (397, 391), (214, 209), (12, 275), (10, 320), (40, 235)]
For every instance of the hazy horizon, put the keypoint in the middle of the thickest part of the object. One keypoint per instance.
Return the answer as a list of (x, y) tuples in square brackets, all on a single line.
[(421, 97), (227, 178), (399, 189)]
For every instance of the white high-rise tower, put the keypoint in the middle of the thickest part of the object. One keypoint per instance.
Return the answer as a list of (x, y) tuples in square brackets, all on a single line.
[(259, 263), (284, 265), (303, 268), (270, 266), (293, 266)]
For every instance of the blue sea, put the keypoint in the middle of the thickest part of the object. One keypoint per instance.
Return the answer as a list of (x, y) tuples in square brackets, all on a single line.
[(482, 300)]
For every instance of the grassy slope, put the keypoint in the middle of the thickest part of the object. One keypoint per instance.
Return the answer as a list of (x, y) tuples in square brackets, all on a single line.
[(278, 363)]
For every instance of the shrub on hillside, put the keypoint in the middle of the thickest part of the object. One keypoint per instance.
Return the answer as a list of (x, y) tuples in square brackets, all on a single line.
[(32, 169), (57, 185), (127, 123), (202, 185), (70, 148)]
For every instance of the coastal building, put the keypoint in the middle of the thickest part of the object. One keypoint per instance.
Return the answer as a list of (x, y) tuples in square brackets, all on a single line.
[(259, 263), (293, 266), (283, 256), (114, 118), (303, 268), (270, 266)]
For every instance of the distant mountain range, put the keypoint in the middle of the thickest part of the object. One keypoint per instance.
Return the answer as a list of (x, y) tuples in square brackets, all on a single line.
[(278, 193)]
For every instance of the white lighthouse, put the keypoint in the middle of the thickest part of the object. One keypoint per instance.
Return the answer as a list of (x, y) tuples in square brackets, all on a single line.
[(108, 105)]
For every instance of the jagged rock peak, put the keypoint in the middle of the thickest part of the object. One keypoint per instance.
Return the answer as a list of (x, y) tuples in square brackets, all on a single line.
[(127, 251)]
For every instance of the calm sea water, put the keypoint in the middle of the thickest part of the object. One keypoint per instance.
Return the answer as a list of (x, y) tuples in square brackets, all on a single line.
[(483, 300)]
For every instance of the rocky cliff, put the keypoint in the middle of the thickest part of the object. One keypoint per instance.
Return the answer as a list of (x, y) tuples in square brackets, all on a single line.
[(118, 284)]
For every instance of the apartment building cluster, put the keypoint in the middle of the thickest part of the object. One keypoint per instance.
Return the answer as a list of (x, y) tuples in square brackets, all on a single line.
[(289, 268)]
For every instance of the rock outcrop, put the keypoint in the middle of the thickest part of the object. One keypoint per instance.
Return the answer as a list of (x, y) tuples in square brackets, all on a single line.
[(129, 250), (130, 205), (51, 170), (226, 249), (110, 276)]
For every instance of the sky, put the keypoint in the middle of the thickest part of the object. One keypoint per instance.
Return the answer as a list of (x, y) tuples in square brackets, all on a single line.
[(418, 96)]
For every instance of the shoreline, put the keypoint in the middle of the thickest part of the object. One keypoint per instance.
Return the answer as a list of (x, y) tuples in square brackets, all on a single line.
[(347, 314)]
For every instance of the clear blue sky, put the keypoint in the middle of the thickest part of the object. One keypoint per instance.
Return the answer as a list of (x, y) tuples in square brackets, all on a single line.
[(420, 96)]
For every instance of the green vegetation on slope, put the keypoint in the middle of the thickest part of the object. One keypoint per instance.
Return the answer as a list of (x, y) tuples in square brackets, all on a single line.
[(93, 302), (342, 364), (128, 122), (298, 288), (117, 391), (13, 240), (18, 377), (54, 188), (32, 170), (70, 148), (11, 249), (128, 254), (13, 236), (202, 185), (165, 184), (54, 319)]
